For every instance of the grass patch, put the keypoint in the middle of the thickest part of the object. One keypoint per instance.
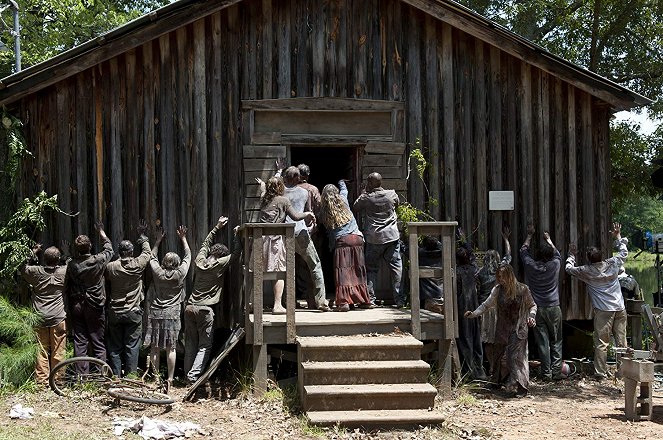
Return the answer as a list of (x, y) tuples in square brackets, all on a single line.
[(44, 430)]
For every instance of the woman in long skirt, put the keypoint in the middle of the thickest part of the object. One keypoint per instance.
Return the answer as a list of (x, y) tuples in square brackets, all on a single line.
[(516, 311), (348, 244)]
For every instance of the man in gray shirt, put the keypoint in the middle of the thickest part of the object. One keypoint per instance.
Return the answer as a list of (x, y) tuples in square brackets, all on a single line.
[(209, 267), (304, 247), (376, 208), (542, 277), (47, 283), (606, 295), (125, 314)]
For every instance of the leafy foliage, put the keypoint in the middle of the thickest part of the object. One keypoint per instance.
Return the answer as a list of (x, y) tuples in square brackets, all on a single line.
[(16, 236), (49, 27), (18, 343), (619, 40)]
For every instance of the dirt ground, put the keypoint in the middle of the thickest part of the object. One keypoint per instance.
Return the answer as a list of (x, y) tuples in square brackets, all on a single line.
[(563, 410)]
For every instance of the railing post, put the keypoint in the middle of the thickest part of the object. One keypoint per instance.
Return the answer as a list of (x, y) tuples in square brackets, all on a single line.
[(415, 307)]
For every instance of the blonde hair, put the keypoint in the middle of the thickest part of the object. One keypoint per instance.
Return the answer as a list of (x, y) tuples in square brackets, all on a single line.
[(507, 279), (334, 212), (274, 187)]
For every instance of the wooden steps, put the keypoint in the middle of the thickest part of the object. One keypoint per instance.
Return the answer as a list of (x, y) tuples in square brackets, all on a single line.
[(365, 381)]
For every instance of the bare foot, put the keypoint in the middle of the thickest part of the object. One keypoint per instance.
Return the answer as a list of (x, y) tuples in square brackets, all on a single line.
[(278, 310)]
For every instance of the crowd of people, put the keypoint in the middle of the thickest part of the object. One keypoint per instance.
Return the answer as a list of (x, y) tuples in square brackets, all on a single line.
[(363, 238), (110, 325), (508, 308)]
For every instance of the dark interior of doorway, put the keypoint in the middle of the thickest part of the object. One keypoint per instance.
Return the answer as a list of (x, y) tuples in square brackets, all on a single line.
[(328, 165)]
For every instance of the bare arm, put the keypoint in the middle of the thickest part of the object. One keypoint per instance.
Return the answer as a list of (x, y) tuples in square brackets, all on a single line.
[(161, 234), (506, 232)]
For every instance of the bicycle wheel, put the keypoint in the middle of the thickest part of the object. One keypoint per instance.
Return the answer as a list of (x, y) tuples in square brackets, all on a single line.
[(140, 394), (79, 376)]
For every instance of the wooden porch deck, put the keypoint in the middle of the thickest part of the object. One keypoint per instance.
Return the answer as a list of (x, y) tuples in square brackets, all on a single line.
[(381, 320)]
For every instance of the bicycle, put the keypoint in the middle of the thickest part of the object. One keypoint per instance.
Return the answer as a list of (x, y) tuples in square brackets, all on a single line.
[(78, 376)]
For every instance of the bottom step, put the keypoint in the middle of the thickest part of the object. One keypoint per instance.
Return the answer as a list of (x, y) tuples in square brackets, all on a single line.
[(380, 419)]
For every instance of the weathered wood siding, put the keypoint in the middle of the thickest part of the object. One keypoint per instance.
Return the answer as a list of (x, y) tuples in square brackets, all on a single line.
[(157, 131)]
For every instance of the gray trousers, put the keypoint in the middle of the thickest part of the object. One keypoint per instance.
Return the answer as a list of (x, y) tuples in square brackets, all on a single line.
[(548, 337), (306, 250), (198, 332), (391, 253)]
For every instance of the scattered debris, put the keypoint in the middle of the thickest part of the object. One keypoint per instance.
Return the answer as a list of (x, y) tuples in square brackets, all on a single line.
[(19, 412), (155, 429)]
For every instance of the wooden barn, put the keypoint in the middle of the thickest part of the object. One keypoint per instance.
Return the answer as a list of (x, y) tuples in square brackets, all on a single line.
[(171, 117)]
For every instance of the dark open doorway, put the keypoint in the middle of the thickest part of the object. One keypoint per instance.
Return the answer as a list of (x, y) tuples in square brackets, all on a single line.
[(329, 164)]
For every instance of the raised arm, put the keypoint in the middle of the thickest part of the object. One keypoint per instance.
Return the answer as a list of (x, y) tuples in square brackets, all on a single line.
[(161, 234), (107, 251), (506, 233), (204, 249), (620, 244), (186, 261)]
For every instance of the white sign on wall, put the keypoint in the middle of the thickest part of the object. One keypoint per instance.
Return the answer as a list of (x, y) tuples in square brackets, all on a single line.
[(500, 201)]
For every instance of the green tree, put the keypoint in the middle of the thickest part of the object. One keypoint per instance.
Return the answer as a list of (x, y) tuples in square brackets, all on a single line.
[(49, 27)]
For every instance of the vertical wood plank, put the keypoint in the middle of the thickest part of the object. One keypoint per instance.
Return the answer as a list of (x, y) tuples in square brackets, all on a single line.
[(432, 115), (414, 123), (495, 141), (526, 143), (167, 136), (131, 157), (448, 99), (83, 188), (480, 141), (573, 193), (510, 90), (199, 127), (149, 85), (559, 153), (395, 52), (116, 187), (267, 49), (318, 52), (544, 155), (63, 165), (217, 105), (284, 77), (99, 144)]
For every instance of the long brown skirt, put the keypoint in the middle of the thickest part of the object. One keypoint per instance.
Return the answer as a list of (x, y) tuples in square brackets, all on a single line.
[(350, 271)]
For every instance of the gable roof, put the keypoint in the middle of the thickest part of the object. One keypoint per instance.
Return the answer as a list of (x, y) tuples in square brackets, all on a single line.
[(183, 12)]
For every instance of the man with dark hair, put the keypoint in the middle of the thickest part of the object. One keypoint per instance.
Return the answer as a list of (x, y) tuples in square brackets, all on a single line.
[(542, 277), (125, 314), (87, 294), (606, 295), (47, 283), (304, 247), (313, 191), (210, 266), (376, 207)]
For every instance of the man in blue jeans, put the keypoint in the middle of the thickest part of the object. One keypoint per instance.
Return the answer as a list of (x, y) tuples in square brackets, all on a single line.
[(542, 277), (376, 207), (125, 313)]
